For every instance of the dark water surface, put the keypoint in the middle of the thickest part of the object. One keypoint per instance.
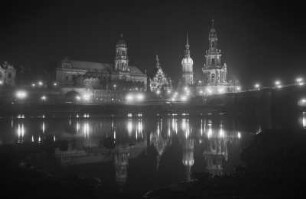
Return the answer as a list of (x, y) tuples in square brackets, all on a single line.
[(132, 153)]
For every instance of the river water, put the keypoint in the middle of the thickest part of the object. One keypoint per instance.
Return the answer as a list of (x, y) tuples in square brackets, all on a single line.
[(132, 153)]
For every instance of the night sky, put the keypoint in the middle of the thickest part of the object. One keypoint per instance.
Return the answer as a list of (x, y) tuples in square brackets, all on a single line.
[(260, 40)]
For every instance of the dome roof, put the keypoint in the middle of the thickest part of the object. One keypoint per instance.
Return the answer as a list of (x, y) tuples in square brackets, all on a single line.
[(187, 60)]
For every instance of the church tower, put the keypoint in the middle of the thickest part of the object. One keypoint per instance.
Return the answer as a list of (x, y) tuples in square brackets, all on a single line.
[(215, 73), (187, 66), (121, 59)]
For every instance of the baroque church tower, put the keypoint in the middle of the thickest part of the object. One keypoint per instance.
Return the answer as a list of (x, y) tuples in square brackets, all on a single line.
[(121, 59), (187, 66), (160, 81), (215, 74)]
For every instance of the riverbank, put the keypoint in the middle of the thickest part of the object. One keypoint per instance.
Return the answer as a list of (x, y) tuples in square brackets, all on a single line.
[(105, 109)]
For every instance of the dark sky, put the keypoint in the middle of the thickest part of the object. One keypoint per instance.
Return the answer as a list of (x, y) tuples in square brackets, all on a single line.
[(260, 40)]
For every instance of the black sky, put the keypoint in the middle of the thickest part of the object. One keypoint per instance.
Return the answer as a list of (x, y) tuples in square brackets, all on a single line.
[(260, 40)]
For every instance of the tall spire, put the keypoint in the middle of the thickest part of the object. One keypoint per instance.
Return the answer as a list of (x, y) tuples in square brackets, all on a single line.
[(157, 62), (187, 51), (212, 24), (213, 38)]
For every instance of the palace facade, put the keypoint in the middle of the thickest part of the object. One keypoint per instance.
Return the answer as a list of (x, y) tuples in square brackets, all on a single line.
[(105, 81), (7, 74)]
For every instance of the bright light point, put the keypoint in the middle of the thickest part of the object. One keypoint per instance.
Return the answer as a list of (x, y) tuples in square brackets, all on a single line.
[(158, 92), (33, 85), (209, 91), (277, 83), (184, 98), (40, 83), (1, 82), (299, 79), (129, 97), (168, 91), (279, 86), (140, 97), (257, 86), (201, 92), (78, 98), (239, 135), (220, 90), (86, 97), (43, 98), (21, 94), (238, 88), (54, 84), (301, 83)]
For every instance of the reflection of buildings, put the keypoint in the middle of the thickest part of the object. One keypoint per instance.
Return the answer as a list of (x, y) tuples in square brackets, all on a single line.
[(103, 79), (7, 74), (159, 143), (85, 148), (216, 152), (160, 82), (121, 160), (188, 158)]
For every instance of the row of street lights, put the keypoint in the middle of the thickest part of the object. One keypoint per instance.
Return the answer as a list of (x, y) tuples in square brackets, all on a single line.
[(278, 84)]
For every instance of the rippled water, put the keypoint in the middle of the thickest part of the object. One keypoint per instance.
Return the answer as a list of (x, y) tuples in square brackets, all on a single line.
[(133, 153)]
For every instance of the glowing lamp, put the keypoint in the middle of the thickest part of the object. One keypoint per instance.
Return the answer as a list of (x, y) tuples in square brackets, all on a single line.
[(140, 97), (21, 94), (257, 86), (129, 97), (43, 98)]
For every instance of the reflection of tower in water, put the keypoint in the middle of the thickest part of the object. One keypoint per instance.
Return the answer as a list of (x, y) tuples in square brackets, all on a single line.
[(121, 164), (216, 152), (188, 157), (158, 142)]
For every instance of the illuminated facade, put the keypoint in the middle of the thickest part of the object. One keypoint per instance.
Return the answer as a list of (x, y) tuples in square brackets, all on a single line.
[(215, 72), (7, 74), (100, 77), (160, 81), (187, 66)]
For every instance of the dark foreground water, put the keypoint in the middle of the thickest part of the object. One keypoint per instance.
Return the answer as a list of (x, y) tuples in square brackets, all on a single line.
[(127, 155)]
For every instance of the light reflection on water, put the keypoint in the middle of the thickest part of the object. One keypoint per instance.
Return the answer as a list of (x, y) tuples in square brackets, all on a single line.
[(175, 144)]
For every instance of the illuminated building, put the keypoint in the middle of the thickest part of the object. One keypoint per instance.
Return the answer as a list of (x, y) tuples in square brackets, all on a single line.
[(160, 81), (103, 79), (187, 66), (214, 71), (7, 74)]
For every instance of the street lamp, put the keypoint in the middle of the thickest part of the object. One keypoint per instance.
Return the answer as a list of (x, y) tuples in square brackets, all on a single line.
[(43, 98), (257, 86), (278, 84), (21, 94), (299, 81)]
